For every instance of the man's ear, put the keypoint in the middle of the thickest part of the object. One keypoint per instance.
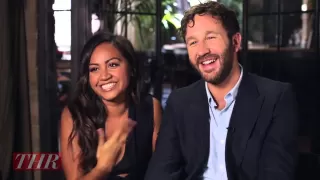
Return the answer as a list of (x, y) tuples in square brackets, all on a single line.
[(236, 41)]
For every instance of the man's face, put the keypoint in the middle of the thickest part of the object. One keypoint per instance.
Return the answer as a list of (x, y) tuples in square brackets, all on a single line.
[(210, 51)]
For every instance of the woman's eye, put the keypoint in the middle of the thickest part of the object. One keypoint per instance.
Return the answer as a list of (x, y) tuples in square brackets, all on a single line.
[(113, 65), (93, 69)]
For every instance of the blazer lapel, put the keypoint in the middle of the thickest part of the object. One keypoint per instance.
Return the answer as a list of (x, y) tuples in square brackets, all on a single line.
[(245, 113), (198, 118)]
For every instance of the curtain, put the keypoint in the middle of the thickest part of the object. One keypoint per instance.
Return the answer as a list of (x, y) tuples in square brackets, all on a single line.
[(15, 134)]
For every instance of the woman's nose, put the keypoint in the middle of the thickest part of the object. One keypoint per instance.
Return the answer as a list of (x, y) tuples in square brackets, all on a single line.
[(105, 75)]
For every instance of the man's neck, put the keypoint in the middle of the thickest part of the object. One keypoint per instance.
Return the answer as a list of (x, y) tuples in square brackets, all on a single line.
[(221, 90)]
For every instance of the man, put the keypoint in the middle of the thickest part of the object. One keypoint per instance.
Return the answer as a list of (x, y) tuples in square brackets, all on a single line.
[(231, 125)]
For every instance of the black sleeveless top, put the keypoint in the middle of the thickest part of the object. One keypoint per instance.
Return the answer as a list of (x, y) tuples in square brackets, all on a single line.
[(138, 149)]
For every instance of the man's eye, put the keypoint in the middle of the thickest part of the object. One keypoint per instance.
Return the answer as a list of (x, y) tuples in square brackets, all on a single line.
[(211, 37), (192, 43)]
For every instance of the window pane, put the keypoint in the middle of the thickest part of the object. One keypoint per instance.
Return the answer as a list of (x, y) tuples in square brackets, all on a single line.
[(262, 32), (262, 6), (141, 6), (271, 6), (141, 32), (297, 31), (95, 23), (62, 5), (235, 5), (313, 36), (297, 5), (63, 33)]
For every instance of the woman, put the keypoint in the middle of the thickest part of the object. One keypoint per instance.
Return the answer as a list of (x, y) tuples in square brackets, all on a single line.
[(108, 130)]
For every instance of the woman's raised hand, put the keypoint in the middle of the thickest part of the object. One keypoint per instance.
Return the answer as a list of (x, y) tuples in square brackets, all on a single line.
[(108, 151)]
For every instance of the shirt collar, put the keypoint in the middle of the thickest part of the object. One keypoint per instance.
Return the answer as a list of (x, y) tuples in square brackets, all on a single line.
[(232, 94)]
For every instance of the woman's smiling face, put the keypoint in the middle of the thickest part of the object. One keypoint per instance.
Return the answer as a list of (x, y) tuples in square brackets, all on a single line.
[(108, 73)]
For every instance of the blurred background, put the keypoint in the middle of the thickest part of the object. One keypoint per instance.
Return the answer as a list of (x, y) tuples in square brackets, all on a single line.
[(41, 40)]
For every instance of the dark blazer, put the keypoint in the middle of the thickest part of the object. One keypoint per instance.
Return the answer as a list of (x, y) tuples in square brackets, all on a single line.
[(261, 140)]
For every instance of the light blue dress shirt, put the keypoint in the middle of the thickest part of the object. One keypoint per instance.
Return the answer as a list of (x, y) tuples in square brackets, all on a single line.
[(219, 122)]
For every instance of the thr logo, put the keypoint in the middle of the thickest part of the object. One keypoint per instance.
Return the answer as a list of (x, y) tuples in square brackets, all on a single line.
[(36, 161)]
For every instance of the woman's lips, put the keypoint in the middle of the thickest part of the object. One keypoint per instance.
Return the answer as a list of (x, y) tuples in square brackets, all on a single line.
[(108, 86)]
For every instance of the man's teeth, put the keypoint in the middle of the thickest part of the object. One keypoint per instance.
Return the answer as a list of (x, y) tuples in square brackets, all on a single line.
[(208, 61), (108, 86)]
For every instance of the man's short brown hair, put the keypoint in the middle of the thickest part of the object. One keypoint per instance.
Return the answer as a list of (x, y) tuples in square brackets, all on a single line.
[(227, 17)]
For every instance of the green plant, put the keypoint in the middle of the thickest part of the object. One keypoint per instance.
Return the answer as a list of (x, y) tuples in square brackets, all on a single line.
[(235, 5), (114, 14), (171, 15), (146, 25)]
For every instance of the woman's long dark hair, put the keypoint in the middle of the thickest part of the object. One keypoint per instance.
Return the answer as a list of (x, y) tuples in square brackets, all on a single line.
[(87, 109)]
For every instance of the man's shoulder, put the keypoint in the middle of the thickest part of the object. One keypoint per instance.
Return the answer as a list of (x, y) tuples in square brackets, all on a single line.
[(269, 86), (185, 93)]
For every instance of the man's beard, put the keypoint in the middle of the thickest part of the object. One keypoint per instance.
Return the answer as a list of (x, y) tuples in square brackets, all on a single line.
[(226, 63)]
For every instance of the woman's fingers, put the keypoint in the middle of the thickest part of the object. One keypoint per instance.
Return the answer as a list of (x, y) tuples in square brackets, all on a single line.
[(109, 150), (125, 129), (127, 125), (131, 124), (101, 137)]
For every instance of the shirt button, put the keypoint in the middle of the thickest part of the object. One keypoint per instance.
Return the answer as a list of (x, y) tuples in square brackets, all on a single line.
[(222, 141), (221, 167)]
